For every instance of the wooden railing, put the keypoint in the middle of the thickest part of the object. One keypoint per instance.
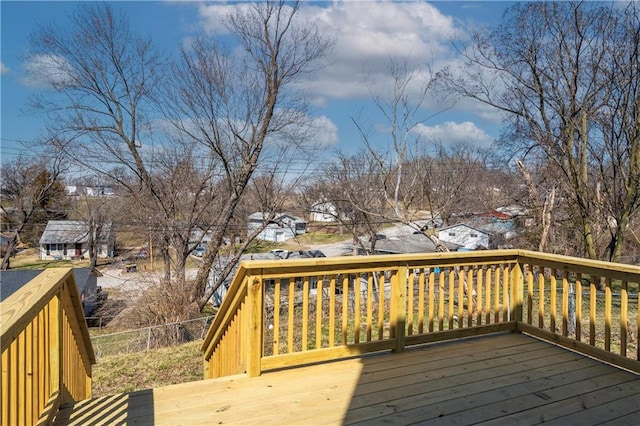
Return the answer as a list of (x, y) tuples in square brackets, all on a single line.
[(284, 313), (46, 350)]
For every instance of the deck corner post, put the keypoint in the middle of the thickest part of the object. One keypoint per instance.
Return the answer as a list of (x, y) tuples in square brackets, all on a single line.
[(517, 289), (398, 308), (255, 326)]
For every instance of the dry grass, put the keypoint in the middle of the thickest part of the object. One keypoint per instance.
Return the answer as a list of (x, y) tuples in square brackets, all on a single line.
[(145, 370)]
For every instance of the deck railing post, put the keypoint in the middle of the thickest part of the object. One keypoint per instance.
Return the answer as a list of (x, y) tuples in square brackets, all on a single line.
[(516, 296), (255, 325), (398, 307), (55, 345)]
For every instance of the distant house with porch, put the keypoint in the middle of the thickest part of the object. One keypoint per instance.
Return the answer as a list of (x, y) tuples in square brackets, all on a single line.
[(466, 236), (282, 227), (69, 239)]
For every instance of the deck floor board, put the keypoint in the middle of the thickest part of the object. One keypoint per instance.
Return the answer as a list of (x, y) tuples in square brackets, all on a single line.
[(496, 379)]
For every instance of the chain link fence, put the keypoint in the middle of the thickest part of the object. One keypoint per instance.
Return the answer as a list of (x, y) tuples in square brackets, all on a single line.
[(148, 338)]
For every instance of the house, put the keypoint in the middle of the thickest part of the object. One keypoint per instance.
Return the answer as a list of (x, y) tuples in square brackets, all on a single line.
[(323, 211), (86, 282), (468, 237), (282, 227), (66, 239)]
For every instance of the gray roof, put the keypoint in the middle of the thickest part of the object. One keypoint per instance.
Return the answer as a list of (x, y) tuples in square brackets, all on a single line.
[(12, 280), (65, 231), (414, 243), (457, 225), (68, 232)]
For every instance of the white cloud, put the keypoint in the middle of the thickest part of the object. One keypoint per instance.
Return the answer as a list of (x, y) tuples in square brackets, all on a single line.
[(47, 71), (325, 130), (4, 69), (367, 36), (451, 133)]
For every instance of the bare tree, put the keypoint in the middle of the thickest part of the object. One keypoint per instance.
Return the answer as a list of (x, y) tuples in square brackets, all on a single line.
[(241, 105), (353, 186), (566, 76), (31, 193), (224, 106)]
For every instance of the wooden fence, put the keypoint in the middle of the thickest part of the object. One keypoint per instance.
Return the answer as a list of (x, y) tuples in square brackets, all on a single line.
[(46, 350), (285, 313)]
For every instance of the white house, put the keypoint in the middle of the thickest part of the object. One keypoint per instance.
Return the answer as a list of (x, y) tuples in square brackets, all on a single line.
[(468, 237), (282, 227), (323, 211), (66, 239)]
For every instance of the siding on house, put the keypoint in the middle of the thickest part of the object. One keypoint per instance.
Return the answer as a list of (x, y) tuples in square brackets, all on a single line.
[(468, 237), (281, 228), (323, 212)]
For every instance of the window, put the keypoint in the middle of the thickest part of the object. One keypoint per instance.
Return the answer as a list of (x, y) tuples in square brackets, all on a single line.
[(64, 249), (452, 234), (48, 249), (473, 235)]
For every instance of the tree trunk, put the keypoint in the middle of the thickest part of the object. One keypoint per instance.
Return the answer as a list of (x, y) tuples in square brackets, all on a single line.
[(11, 247)]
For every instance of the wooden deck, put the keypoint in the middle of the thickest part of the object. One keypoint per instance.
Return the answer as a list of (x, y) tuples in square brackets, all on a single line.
[(499, 379)]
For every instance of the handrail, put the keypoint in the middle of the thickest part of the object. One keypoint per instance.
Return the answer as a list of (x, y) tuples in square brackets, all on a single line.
[(283, 313), (46, 349)]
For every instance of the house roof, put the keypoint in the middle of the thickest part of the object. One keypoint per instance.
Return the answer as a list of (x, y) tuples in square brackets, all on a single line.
[(497, 215), (458, 225), (12, 280), (261, 216), (415, 243), (65, 231)]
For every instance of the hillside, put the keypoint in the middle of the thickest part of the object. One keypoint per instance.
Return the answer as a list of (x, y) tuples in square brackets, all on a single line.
[(144, 370)]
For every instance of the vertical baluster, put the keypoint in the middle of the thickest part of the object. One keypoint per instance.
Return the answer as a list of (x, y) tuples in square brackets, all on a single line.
[(332, 311), (471, 295), (554, 301), (461, 285), (292, 314), (357, 294), (441, 301), (506, 288), (624, 317), (530, 294), (541, 297), (451, 295), (489, 282), (496, 294), (319, 293), (592, 310), (410, 296), (565, 303), (431, 295), (578, 307), (480, 300), (381, 296), (305, 313), (607, 315), (276, 317), (421, 290), (345, 307), (369, 305)]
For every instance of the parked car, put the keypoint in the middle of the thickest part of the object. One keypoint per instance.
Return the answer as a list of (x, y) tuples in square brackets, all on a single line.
[(198, 251)]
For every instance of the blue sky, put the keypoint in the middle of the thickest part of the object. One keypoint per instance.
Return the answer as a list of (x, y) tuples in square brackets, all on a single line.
[(367, 34)]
